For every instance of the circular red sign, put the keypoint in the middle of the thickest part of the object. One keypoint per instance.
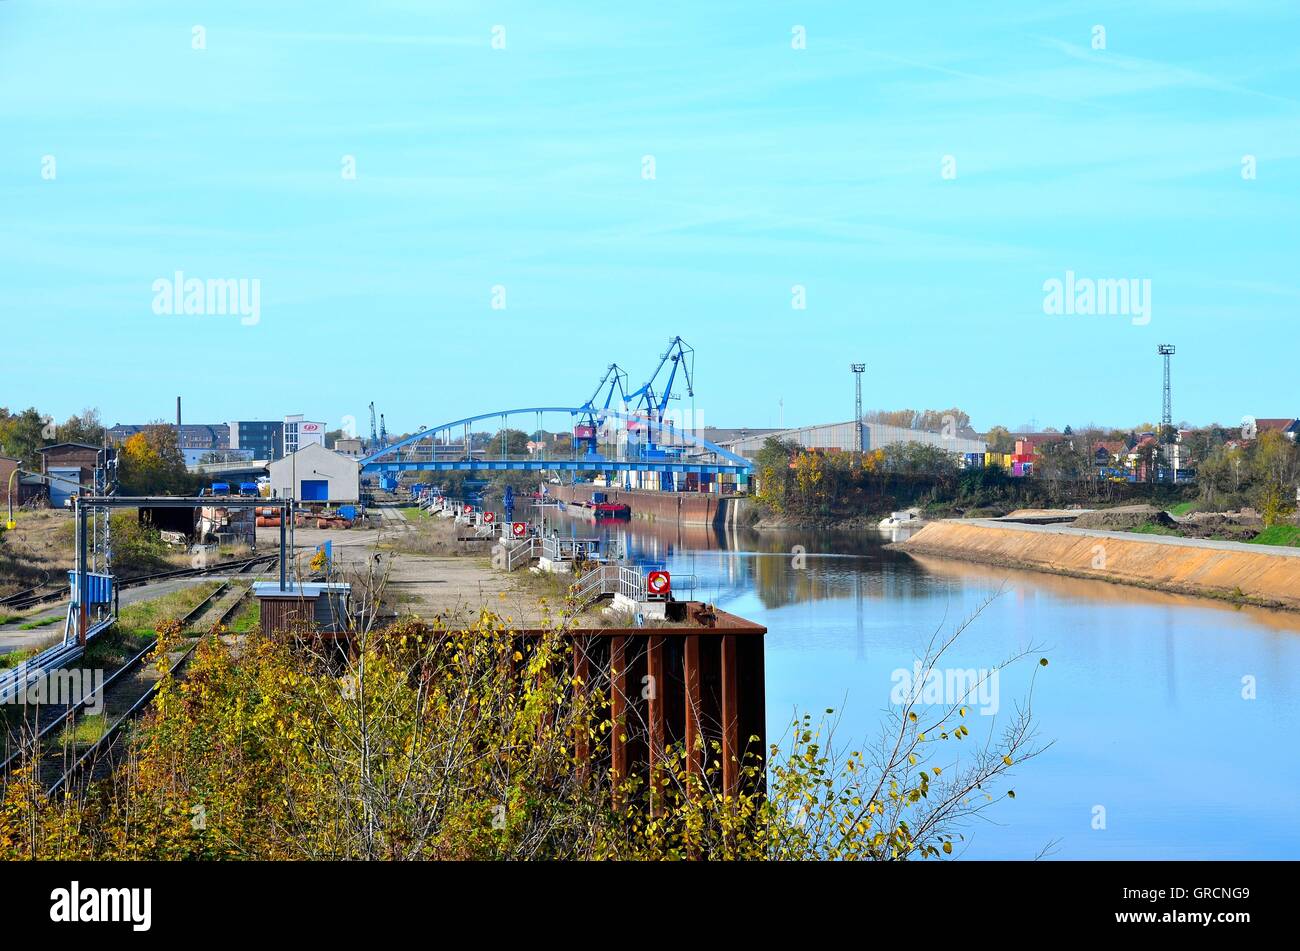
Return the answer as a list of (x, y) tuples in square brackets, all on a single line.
[(489, 517), (658, 582), (519, 529)]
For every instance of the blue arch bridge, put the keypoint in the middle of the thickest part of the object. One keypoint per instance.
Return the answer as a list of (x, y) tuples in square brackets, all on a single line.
[(634, 434)]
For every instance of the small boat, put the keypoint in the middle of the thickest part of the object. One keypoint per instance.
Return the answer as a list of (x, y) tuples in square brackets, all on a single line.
[(907, 517), (601, 511), (606, 510)]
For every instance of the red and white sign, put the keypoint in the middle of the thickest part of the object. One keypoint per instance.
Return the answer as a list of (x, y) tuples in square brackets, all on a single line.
[(519, 529), (658, 583), (469, 508), (311, 427), (489, 517)]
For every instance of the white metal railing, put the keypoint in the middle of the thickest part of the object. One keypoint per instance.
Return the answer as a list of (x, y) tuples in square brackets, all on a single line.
[(570, 549), (520, 553), (631, 583), (601, 580)]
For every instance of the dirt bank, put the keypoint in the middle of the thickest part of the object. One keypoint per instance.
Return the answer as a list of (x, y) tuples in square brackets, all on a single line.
[(1125, 518), (856, 523), (1267, 576)]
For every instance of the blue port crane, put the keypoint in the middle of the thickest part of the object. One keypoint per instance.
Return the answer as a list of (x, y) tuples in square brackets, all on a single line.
[(591, 415), (650, 403), (652, 444)]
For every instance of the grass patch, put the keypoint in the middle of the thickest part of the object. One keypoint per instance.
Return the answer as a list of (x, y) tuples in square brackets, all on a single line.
[(33, 625), (39, 548), (10, 618), (115, 647), (1182, 508), (147, 615), (1151, 528), (1285, 535), (14, 658), (88, 729), (435, 536), (553, 586), (249, 619)]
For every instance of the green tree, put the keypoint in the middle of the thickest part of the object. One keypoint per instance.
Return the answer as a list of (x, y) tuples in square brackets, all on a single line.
[(85, 428), (943, 420), (516, 443), (999, 439), (1274, 470), (772, 471), (23, 434), (151, 463)]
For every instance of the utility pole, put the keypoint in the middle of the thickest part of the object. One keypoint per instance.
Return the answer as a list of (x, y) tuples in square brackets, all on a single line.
[(858, 369)]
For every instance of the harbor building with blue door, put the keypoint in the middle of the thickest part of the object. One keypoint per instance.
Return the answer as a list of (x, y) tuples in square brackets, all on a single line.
[(316, 474)]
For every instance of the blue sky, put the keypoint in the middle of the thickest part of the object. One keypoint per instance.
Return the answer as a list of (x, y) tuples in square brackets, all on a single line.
[(774, 167)]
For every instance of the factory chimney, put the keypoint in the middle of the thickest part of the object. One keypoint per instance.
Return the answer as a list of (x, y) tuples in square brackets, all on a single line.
[(178, 414)]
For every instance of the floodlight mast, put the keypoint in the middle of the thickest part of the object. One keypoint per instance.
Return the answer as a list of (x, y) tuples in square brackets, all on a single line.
[(858, 369)]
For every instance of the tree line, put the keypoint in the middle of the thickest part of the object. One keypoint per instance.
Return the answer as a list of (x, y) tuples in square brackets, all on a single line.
[(149, 462)]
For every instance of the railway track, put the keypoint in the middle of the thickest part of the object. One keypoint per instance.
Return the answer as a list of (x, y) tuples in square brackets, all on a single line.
[(33, 596), (9, 600), (60, 757), (229, 613)]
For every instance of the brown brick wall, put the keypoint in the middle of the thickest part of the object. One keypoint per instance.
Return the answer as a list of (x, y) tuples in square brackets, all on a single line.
[(687, 508), (69, 456)]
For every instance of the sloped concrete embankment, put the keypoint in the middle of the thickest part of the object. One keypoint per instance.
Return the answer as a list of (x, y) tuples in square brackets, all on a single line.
[(1187, 566)]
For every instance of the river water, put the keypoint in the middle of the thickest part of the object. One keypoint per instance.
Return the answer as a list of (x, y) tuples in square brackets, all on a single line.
[(1156, 749)]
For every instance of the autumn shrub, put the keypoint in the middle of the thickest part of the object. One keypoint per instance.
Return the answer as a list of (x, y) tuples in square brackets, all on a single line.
[(428, 743)]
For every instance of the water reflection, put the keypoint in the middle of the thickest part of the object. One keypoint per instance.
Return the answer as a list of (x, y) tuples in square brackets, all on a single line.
[(1144, 700)]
